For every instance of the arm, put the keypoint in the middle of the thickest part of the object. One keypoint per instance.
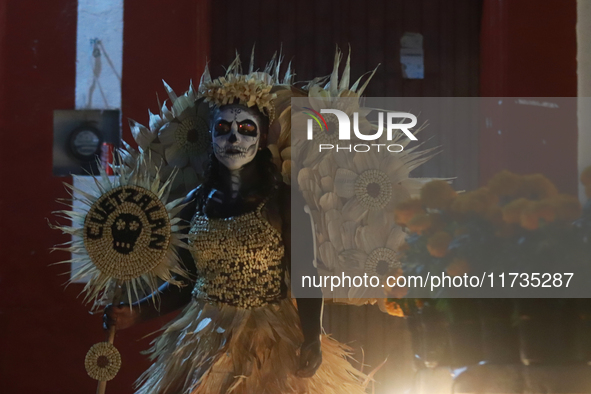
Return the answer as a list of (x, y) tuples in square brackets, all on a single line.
[(169, 297), (310, 305)]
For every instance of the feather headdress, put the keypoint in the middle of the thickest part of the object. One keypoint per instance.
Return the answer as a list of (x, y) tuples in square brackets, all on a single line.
[(251, 89)]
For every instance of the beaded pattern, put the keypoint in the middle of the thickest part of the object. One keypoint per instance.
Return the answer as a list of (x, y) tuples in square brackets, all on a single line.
[(381, 261), (127, 232), (102, 361), (238, 259), (373, 188)]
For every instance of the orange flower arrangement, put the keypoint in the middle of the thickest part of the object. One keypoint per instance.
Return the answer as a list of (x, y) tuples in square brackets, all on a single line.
[(533, 200), (568, 208), (437, 194), (477, 202), (464, 232), (494, 214), (537, 187), (420, 223), (406, 210), (438, 243), (403, 247), (544, 209), (512, 211), (529, 218), (505, 183)]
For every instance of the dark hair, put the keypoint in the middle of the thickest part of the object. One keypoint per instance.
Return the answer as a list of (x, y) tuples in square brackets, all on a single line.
[(266, 183)]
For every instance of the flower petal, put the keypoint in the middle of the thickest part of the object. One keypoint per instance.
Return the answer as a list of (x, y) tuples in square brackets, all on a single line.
[(414, 185), (328, 255), (198, 162), (365, 161), (369, 238), (330, 201), (176, 156), (344, 183), (155, 121), (377, 217), (353, 258), (334, 221), (399, 194), (327, 167), (286, 153), (344, 160), (348, 230), (166, 135), (353, 210), (327, 184), (395, 238), (190, 178), (141, 134)]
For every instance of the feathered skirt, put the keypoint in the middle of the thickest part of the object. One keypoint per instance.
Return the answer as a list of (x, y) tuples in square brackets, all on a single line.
[(217, 349)]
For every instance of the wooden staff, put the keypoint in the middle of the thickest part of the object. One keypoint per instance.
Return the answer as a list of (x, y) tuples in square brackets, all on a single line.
[(102, 385)]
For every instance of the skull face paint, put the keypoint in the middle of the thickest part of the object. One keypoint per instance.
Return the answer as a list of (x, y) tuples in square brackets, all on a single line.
[(236, 135)]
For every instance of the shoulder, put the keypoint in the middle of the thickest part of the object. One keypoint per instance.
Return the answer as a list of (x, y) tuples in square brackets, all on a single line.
[(190, 204), (192, 195)]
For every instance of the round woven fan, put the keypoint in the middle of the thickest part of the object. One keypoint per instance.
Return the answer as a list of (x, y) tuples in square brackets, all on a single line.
[(124, 241)]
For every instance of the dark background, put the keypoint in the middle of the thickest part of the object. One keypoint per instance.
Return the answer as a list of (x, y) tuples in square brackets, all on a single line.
[(472, 48)]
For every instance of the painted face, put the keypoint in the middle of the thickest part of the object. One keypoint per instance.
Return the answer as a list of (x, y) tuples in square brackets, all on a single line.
[(236, 135)]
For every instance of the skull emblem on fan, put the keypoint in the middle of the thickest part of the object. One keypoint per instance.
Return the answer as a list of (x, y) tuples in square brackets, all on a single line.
[(126, 230)]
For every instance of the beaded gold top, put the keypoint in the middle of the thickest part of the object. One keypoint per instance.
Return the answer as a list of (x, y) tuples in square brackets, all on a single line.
[(238, 259)]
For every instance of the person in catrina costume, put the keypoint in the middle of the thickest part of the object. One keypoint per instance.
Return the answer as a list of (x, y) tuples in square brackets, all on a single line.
[(240, 331)]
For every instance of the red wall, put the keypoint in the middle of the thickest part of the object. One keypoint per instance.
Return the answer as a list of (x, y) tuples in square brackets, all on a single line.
[(45, 330), (529, 49)]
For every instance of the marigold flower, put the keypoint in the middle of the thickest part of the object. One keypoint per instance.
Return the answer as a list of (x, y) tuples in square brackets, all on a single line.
[(403, 247), (437, 194), (437, 221), (438, 243), (458, 267), (512, 211), (393, 308), (494, 214), (537, 187), (406, 210), (545, 209), (563, 207), (568, 208), (420, 223), (474, 202), (505, 183), (529, 220)]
